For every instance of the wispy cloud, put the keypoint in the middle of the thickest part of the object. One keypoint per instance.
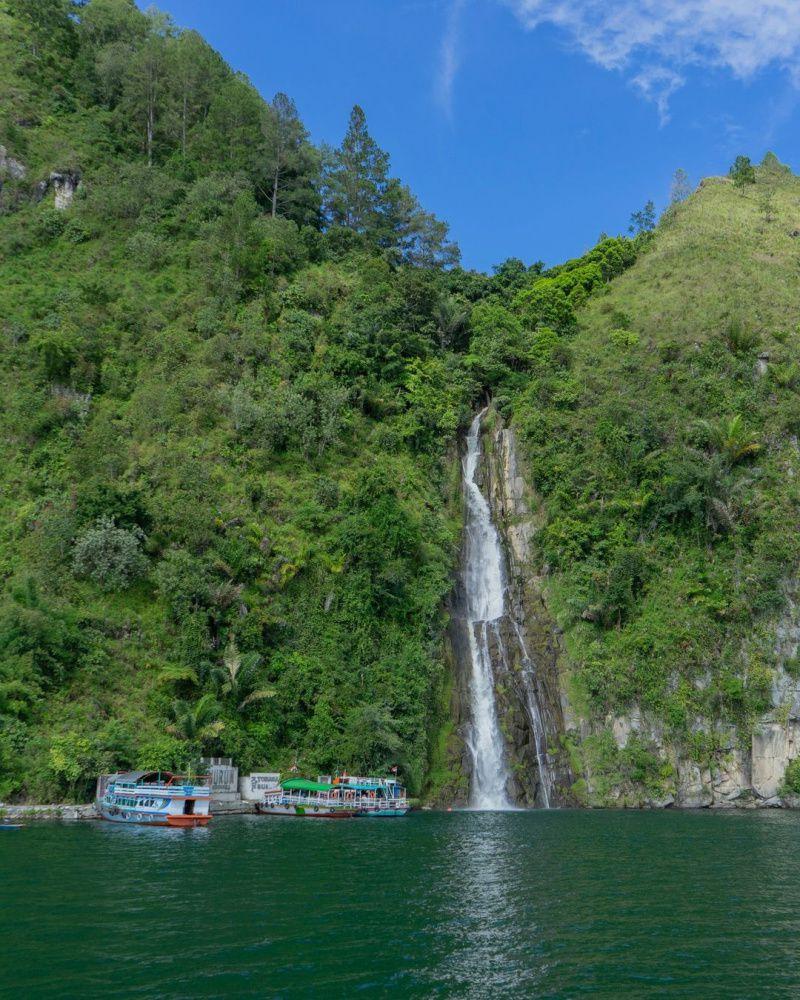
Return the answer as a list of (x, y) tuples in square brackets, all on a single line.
[(449, 58), (655, 41)]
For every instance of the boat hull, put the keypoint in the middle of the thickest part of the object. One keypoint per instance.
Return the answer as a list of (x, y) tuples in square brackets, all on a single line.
[(188, 821), (304, 812), (152, 819), (383, 813)]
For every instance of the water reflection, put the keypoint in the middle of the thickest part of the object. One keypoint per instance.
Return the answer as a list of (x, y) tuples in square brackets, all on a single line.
[(484, 911)]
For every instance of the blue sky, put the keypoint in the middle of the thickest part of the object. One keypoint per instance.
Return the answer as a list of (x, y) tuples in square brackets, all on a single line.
[(529, 125)]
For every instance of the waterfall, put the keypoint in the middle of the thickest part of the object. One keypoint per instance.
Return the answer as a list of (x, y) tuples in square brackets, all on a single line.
[(484, 607), (494, 630)]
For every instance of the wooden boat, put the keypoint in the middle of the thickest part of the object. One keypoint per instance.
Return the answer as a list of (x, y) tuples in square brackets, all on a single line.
[(156, 798), (306, 799)]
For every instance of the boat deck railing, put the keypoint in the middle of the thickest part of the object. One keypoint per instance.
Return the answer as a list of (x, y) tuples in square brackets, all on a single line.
[(337, 798), (161, 790)]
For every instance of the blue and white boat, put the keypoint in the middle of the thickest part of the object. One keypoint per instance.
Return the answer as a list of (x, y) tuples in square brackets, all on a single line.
[(157, 798)]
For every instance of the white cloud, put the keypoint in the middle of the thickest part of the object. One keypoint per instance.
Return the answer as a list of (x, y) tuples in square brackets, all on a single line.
[(449, 58), (654, 40), (658, 84)]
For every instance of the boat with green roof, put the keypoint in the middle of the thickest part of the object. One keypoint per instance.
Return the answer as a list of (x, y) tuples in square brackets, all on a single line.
[(307, 799), (344, 797)]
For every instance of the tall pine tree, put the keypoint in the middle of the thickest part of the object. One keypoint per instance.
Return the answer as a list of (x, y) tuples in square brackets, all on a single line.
[(291, 164), (356, 178)]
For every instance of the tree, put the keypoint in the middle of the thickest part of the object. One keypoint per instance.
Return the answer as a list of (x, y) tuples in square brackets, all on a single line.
[(452, 317), (290, 164), (730, 438), (240, 679), (772, 166), (643, 221), (410, 234), (742, 172), (356, 178), (196, 71), (196, 721), (681, 187), (512, 275), (110, 556), (49, 38), (145, 84), (232, 136)]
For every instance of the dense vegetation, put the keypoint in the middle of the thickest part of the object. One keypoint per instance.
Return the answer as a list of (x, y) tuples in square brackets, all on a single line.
[(228, 388), (234, 370)]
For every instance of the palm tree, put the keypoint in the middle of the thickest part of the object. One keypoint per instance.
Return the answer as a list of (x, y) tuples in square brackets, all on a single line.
[(451, 318), (240, 678), (196, 720), (730, 438)]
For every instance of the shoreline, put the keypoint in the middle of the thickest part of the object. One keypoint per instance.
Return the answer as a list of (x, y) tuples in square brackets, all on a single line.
[(76, 812)]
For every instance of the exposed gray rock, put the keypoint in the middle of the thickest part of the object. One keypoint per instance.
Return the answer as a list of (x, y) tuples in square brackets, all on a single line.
[(773, 746), (23, 813), (694, 786), (64, 183), (9, 167)]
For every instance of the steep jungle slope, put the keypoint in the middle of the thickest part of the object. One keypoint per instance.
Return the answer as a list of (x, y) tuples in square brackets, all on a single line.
[(228, 388), (659, 421)]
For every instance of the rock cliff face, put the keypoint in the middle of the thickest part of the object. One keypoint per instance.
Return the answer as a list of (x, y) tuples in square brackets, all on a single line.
[(744, 770)]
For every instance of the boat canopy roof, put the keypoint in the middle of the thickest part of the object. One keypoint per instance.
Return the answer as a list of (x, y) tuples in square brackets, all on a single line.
[(304, 785), (142, 777)]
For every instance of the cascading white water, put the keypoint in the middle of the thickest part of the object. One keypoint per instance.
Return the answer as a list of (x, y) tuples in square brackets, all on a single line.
[(484, 606)]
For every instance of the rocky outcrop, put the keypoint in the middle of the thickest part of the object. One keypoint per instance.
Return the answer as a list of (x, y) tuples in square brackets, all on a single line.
[(64, 184), (10, 168), (59, 810)]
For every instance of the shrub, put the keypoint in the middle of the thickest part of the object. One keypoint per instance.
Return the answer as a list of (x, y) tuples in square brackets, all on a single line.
[(740, 340), (110, 556), (147, 248), (51, 223), (162, 753), (73, 761), (791, 778)]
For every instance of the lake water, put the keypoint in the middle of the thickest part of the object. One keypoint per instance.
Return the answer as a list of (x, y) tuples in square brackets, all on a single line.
[(536, 904)]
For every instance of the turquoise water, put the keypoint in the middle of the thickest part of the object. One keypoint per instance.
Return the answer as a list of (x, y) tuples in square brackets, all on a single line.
[(558, 904)]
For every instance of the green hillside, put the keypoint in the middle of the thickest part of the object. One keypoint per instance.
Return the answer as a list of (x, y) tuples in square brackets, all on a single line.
[(235, 368), (224, 521), (662, 437)]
